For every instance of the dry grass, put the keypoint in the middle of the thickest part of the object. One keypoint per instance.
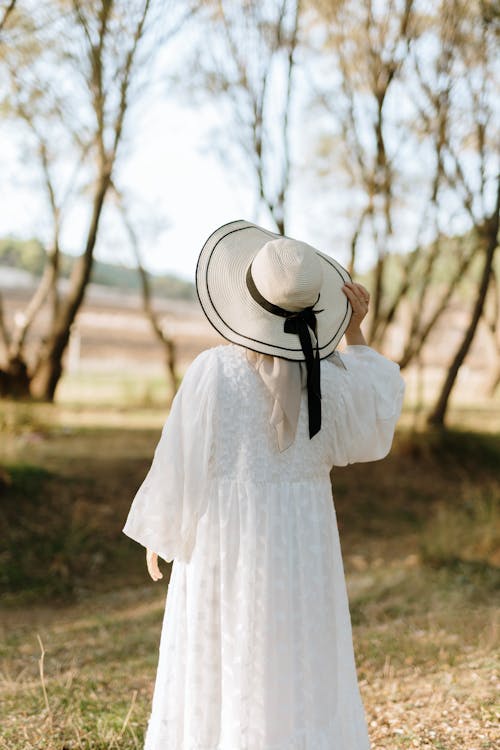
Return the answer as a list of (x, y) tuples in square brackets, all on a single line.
[(426, 659), (96, 681), (81, 623), (426, 668)]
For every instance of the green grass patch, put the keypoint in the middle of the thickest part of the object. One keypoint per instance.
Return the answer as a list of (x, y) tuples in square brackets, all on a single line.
[(62, 531), (465, 534), (470, 450)]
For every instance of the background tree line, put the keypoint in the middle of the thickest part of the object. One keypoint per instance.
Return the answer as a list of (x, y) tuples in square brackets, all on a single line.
[(29, 255), (387, 112)]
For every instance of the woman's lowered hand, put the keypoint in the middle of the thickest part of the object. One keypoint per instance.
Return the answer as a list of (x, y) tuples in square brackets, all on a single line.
[(152, 563)]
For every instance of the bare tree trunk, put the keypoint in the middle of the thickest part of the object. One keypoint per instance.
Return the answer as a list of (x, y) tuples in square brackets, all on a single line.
[(47, 287), (14, 379), (494, 382), (355, 237), (48, 368), (4, 333), (419, 331), (47, 282), (167, 342), (492, 322), (490, 229), (377, 294)]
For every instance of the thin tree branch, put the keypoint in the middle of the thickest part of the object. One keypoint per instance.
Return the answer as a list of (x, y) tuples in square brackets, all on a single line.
[(490, 234), (159, 331), (8, 10), (4, 333)]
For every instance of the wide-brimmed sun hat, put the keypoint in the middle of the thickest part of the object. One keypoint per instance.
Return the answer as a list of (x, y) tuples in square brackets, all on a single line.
[(275, 295)]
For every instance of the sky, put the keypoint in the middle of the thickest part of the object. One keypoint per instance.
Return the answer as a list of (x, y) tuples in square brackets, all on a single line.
[(188, 190), (179, 190), (184, 190)]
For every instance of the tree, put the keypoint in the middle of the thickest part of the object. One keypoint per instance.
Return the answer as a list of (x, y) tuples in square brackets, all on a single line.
[(492, 320), (159, 328), (5, 13), (99, 47), (454, 124), (472, 163), (365, 44), (489, 235), (413, 107), (248, 69)]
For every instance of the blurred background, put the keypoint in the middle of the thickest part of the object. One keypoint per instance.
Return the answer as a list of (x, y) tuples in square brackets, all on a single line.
[(130, 130)]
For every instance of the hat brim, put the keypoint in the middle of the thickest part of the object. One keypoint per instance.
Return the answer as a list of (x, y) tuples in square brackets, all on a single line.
[(230, 308)]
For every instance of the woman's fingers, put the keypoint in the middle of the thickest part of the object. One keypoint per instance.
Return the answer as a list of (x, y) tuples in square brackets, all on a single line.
[(152, 563), (363, 291), (155, 572), (359, 290), (359, 298), (349, 293)]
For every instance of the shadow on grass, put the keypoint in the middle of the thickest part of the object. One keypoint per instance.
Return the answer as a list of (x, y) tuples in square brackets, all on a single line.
[(62, 537), (61, 515)]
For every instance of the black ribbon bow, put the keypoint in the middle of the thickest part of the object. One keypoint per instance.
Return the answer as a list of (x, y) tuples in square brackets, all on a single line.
[(299, 323)]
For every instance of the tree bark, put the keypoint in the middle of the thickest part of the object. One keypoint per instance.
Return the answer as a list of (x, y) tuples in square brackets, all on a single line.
[(14, 379), (419, 332), (437, 417), (494, 382), (167, 341), (49, 368)]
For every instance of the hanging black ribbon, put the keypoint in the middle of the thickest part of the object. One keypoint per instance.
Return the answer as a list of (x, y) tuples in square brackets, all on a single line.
[(299, 322)]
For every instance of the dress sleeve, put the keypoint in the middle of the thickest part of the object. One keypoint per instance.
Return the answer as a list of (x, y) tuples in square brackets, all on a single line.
[(368, 407), (174, 495)]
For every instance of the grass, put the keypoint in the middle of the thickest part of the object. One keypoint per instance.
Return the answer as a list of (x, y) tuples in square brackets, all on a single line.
[(98, 665), (114, 388), (425, 670), (420, 540), (466, 534)]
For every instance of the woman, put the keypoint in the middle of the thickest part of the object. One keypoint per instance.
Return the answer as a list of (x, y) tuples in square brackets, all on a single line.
[(256, 648)]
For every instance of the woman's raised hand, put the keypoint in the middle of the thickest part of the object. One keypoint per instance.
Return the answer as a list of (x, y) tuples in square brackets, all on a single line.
[(359, 297), (152, 563)]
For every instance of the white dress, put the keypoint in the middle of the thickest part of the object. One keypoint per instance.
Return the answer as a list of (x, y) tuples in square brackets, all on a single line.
[(256, 647)]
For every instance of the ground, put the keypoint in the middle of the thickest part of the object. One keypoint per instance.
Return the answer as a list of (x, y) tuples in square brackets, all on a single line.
[(81, 621)]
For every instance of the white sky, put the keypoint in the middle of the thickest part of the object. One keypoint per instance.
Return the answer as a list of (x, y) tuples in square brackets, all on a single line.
[(190, 192), (173, 178)]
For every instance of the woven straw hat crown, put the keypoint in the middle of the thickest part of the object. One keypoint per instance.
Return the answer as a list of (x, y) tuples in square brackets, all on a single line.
[(244, 271), (288, 273)]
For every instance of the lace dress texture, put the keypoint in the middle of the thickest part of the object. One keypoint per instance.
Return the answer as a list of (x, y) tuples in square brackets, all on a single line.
[(256, 649)]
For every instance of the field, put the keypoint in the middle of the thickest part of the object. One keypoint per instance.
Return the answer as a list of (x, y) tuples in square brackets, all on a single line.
[(81, 620)]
